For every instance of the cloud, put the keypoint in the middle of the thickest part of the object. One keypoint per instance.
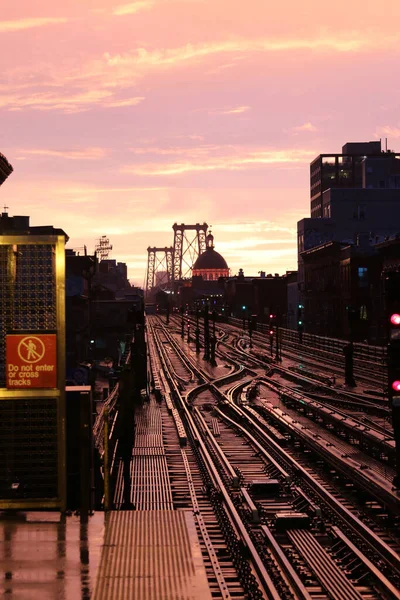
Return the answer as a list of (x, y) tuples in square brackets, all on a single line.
[(133, 7), (122, 103), (190, 52), (232, 111), (99, 81), (306, 127), (57, 99), (21, 24), (92, 153), (240, 159), (387, 131)]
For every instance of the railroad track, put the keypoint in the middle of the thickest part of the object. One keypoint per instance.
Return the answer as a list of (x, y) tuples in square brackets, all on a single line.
[(366, 369), (232, 459)]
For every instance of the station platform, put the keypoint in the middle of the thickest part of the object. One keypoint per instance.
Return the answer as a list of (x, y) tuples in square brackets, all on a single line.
[(151, 555)]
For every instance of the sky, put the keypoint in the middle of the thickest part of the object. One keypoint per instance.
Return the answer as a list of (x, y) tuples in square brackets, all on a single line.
[(122, 118)]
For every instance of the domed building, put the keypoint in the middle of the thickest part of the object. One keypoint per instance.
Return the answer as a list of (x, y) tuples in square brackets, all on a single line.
[(210, 265)]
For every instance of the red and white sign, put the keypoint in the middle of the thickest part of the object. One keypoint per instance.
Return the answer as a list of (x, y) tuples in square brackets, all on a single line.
[(31, 361)]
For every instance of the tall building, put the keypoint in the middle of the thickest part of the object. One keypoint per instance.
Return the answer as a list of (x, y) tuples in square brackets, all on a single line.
[(339, 171), (354, 195), (32, 365)]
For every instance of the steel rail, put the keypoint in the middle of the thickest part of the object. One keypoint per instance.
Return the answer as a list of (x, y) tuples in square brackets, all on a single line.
[(265, 580), (358, 527), (389, 587)]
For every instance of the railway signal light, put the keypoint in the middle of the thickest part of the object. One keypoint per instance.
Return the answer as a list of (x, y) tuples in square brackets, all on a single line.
[(395, 319), (392, 305), (396, 385)]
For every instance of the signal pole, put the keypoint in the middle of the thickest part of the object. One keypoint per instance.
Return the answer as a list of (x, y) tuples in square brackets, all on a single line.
[(300, 322), (244, 318), (271, 339), (206, 334), (213, 340), (392, 305), (182, 324), (197, 331)]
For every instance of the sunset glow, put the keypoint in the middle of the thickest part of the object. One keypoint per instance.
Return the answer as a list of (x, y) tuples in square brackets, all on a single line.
[(122, 118)]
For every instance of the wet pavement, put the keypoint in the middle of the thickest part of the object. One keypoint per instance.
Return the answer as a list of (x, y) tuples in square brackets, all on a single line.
[(48, 556)]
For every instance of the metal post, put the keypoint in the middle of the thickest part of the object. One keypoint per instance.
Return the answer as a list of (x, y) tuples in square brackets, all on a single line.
[(251, 333), (106, 464), (348, 354), (206, 334), (85, 479), (213, 340), (197, 332), (182, 324), (277, 342)]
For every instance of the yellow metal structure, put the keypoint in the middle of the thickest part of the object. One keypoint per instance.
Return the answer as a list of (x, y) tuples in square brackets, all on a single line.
[(57, 242)]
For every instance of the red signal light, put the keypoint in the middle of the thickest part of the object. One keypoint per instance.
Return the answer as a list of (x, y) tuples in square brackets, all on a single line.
[(395, 319), (271, 332), (396, 386)]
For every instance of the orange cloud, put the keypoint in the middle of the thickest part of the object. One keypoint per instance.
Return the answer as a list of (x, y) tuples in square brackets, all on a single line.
[(240, 160), (390, 132), (351, 43), (72, 102), (21, 24), (133, 7), (127, 102), (92, 153), (233, 111), (306, 127)]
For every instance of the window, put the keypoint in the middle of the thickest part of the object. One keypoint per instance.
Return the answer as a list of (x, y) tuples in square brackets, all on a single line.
[(359, 212), (363, 313), (363, 276)]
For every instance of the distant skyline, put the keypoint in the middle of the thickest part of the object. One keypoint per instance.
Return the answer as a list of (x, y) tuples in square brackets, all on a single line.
[(121, 118)]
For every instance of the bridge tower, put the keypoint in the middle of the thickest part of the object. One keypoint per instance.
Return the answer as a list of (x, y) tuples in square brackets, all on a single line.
[(159, 261), (189, 243)]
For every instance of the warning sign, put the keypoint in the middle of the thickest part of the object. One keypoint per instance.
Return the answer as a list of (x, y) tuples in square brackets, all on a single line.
[(31, 361)]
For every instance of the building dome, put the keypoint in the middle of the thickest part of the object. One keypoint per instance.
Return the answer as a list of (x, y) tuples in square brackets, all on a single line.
[(210, 265), (210, 259)]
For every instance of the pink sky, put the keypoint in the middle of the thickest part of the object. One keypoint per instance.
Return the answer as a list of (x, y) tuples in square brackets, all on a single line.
[(122, 118)]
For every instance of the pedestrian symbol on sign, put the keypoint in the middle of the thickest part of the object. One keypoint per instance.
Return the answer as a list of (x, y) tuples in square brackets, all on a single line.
[(31, 349)]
